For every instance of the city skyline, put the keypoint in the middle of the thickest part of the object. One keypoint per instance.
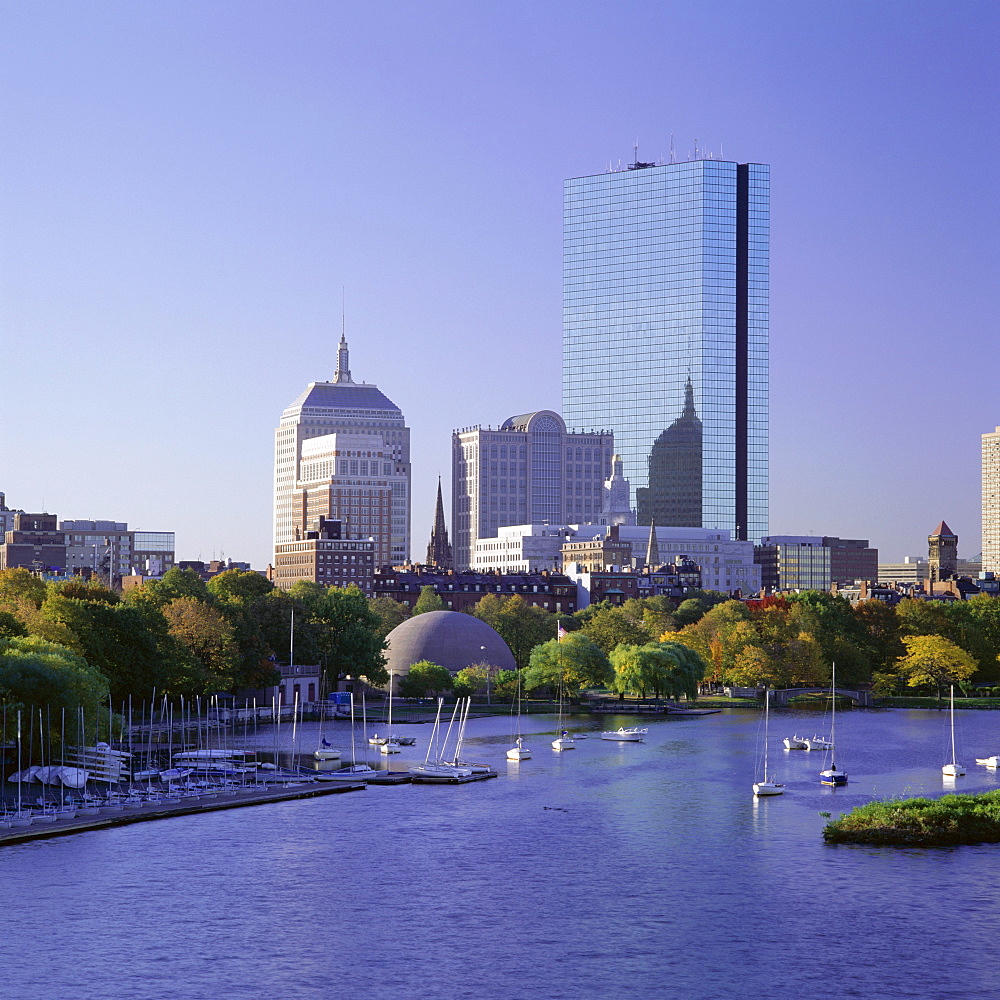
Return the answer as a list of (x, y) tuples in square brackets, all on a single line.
[(191, 195)]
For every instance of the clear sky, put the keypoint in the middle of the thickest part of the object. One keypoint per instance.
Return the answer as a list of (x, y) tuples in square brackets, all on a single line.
[(186, 188)]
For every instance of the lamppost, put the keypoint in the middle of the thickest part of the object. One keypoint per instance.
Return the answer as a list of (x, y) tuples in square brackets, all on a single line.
[(482, 649)]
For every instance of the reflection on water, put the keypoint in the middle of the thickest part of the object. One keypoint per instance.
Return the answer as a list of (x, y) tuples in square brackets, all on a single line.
[(645, 866)]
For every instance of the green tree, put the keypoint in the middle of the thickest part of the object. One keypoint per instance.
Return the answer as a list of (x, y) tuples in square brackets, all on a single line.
[(576, 662), (521, 625), (130, 645), (611, 627), (933, 661), (390, 613), (882, 630), (471, 680), (425, 678), (240, 596), (84, 590), (34, 672), (21, 584), (505, 685), (175, 583), (208, 636), (346, 631), (429, 600), (660, 668), (10, 626)]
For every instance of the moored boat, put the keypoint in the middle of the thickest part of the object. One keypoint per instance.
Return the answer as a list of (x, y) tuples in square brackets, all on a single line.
[(632, 734), (795, 743)]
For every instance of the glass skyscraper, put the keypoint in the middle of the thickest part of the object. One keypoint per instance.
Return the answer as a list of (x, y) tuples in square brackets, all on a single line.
[(665, 330)]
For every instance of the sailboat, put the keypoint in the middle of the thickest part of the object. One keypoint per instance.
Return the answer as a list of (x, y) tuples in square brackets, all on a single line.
[(831, 775), (389, 744), (518, 751), (355, 771), (767, 786), (438, 769), (563, 741), (954, 769)]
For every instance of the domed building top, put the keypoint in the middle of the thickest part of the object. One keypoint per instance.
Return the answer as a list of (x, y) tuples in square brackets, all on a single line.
[(450, 639)]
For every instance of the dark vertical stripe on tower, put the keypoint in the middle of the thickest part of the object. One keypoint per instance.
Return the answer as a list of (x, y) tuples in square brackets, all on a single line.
[(742, 343)]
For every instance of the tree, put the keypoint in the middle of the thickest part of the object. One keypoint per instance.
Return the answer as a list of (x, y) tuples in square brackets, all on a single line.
[(663, 668), (10, 626), (175, 583), (611, 627), (882, 631), (345, 630), (471, 680), (425, 678), (239, 595), (390, 613), (34, 672), (429, 600), (933, 660), (130, 645), (84, 590), (574, 662), (208, 636), (20, 583), (521, 625)]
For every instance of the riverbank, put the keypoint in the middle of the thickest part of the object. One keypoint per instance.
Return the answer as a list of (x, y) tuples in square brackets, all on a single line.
[(920, 822)]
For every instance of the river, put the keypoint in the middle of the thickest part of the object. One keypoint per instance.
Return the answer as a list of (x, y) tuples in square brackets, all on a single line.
[(636, 870)]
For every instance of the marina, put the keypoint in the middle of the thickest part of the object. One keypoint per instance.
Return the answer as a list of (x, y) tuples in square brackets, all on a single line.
[(671, 824)]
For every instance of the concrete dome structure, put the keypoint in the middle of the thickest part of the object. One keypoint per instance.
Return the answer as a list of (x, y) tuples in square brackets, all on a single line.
[(448, 638)]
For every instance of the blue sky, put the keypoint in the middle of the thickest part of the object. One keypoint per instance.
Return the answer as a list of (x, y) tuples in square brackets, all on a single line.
[(185, 190)]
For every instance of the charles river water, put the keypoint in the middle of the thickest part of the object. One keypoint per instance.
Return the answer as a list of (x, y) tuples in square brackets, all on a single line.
[(609, 871)]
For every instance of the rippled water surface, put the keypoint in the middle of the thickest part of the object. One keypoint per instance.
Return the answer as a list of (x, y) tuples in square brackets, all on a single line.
[(646, 871)]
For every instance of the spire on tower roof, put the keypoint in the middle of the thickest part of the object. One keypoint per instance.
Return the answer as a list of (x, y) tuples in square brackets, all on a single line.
[(343, 372), (439, 550)]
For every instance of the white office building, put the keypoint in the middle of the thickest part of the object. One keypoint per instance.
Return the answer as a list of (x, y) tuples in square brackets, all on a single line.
[(342, 451)]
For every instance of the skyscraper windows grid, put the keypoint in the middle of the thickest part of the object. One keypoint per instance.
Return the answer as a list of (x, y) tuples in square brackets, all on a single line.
[(665, 320)]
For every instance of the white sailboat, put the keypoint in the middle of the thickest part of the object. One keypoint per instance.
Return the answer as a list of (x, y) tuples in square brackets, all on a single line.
[(355, 771), (389, 744), (954, 769), (518, 751), (832, 775), (563, 741), (437, 769), (767, 785)]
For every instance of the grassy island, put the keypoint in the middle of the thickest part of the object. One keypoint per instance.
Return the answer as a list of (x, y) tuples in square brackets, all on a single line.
[(943, 822)]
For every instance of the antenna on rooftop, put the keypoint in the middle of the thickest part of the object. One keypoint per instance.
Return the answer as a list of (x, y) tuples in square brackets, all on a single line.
[(671, 147)]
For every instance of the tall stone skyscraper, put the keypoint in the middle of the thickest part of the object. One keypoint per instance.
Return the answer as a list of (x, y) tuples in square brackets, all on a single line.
[(665, 334), (342, 453), (439, 548), (529, 470)]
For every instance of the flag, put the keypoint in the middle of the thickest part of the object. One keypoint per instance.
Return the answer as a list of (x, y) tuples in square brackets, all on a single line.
[(560, 632)]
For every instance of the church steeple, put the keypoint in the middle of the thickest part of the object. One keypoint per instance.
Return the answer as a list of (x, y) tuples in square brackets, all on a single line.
[(653, 548), (343, 372), (439, 549)]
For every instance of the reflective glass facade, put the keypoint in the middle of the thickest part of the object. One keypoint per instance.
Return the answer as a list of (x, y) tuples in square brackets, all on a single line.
[(665, 330)]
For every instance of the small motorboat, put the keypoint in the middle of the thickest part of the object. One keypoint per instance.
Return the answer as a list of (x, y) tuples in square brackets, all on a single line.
[(632, 734), (991, 762), (795, 743)]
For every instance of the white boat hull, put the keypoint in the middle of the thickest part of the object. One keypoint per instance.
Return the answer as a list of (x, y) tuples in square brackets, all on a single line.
[(818, 743), (387, 748), (953, 770), (992, 762), (768, 788), (326, 753), (795, 743), (564, 743), (623, 735), (518, 753)]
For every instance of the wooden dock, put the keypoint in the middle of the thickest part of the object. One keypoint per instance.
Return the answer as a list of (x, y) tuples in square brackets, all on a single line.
[(184, 807)]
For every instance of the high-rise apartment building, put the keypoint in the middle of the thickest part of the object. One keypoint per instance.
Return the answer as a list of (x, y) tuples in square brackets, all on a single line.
[(991, 502), (530, 470), (342, 453), (665, 334)]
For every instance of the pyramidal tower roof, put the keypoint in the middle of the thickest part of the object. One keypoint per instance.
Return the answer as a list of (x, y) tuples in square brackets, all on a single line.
[(943, 529)]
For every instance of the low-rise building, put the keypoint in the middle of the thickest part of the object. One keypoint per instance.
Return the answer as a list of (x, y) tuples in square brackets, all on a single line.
[(325, 556), (461, 590), (793, 562), (36, 543)]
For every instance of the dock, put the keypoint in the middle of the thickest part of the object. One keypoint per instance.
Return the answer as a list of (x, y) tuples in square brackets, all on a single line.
[(464, 779), (164, 810)]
